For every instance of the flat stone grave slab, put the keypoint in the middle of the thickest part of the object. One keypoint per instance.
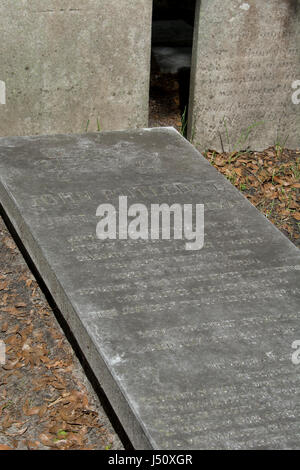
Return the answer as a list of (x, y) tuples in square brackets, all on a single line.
[(194, 349)]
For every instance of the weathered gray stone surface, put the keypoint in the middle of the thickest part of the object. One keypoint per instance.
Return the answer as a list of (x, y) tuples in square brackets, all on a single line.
[(246, 57), (193, 348), (69, 62)]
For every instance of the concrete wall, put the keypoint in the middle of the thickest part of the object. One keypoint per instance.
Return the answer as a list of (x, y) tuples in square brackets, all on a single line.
[(246, 57), (65, 62)]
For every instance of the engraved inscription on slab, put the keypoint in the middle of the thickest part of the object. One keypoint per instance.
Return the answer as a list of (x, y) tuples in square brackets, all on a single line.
[(246, 65), (193, 348)]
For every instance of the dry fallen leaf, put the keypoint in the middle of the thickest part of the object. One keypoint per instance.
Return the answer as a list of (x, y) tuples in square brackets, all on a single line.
[(3, 285), (296, 215), (4, 327), (30, 411), (18, 433)]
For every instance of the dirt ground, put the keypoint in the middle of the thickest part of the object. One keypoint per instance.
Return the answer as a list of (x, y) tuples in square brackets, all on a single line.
[(46, 401), (271, 182), (164, 101)]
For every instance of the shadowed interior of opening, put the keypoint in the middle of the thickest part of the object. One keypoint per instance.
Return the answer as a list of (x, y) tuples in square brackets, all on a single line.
[(171, 53)]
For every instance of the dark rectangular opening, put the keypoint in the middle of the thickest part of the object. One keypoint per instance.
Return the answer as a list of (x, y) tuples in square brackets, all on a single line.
[(171, 55)]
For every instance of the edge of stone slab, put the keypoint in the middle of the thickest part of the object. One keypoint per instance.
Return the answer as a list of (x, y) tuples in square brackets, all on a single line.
[(99, 133)]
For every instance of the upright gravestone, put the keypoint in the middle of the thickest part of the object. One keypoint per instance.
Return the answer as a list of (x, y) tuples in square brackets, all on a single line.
[(246, 60), (74, 65), (194, 348)]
